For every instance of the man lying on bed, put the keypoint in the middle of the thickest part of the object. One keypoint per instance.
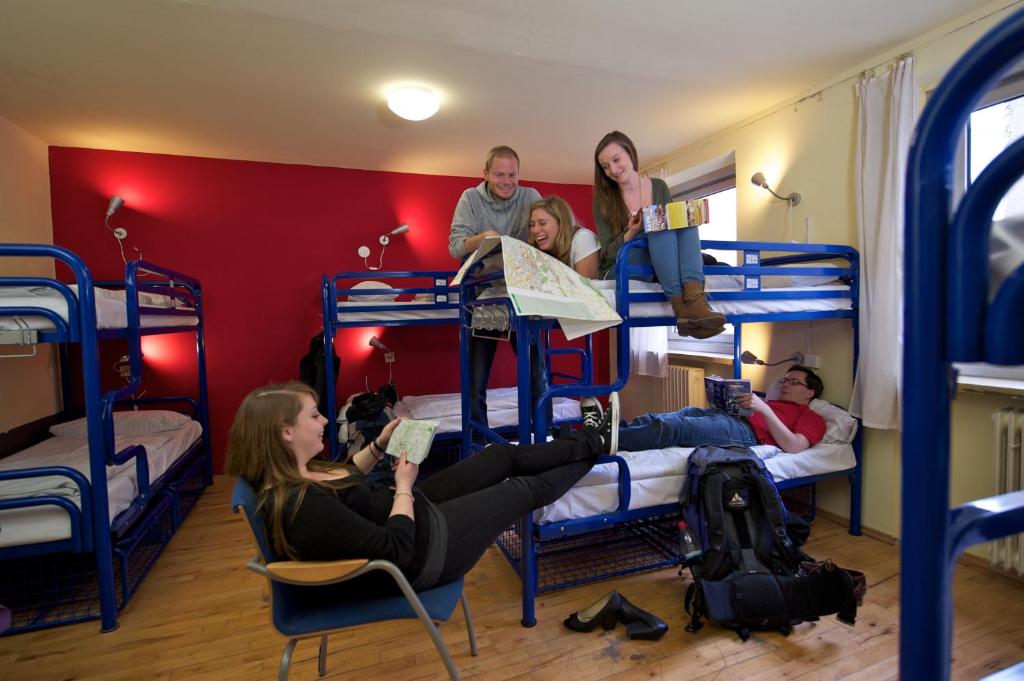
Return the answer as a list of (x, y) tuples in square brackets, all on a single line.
[(788, 423)]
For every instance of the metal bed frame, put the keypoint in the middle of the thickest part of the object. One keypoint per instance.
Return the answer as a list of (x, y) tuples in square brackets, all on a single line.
[(142, 530), (335, 289), (948, 319), (646, 534)]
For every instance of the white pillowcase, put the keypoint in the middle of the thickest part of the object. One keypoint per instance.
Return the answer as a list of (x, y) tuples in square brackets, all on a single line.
[(127, 423), (370, 284), (840, 427)]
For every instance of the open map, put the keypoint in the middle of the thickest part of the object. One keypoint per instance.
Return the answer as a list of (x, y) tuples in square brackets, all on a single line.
[(540, 285)]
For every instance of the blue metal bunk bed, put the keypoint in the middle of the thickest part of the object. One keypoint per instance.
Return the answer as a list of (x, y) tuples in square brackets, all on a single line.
[(646, 537), (95, 570), (342, 309), (948, 319)]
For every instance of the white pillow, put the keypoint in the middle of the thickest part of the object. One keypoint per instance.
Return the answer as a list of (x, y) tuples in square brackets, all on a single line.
[(370, 284), (127, 423), (840, 427)]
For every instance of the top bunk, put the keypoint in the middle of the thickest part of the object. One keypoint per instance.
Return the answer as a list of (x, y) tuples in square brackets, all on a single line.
[(356, 299), (37, 309), (774, 282)]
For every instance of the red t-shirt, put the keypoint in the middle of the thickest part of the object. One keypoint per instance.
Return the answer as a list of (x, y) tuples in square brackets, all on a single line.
[(799, 418)]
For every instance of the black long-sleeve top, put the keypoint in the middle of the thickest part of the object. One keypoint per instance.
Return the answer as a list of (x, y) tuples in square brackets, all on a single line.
[(355, 522)]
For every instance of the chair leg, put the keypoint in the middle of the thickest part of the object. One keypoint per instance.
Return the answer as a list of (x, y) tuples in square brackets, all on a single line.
[(286, 659), (469, 624), (435, 636), (322, 668)]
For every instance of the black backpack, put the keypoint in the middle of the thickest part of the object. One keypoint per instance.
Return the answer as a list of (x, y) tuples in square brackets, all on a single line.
[(313, 373), (751, 576)]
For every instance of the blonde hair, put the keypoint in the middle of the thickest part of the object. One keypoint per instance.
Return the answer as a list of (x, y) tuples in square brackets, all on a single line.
[(257, 453), (557, 208)]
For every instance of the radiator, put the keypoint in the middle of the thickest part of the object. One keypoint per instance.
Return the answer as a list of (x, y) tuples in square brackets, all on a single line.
[(683, 387), (1008, 553)]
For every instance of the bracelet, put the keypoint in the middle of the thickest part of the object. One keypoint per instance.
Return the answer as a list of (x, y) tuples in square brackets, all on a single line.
[(404, 494), (372, 446)]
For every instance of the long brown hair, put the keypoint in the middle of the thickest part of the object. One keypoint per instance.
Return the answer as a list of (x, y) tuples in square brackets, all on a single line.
[(258, 454), (610, 206), (557, 208)]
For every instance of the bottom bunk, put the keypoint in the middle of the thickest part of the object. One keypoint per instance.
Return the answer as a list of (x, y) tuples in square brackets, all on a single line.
[(48, 569), (446, 408), (620, 518)]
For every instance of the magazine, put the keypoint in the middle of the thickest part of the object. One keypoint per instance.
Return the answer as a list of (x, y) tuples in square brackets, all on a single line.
[(676, 215), (414, 438), (722, 393)]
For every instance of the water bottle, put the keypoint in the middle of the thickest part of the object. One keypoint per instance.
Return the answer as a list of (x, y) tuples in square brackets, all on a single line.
[(689, 549)]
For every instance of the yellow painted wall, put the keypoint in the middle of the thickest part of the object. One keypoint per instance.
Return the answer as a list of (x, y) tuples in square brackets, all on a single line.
[(806, 145), (28, 387)]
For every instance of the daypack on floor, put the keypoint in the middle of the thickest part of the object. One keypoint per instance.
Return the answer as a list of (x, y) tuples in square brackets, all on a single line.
[(751, 576)]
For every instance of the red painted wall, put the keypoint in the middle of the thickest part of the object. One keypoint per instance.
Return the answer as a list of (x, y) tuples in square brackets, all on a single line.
[(259, 236)]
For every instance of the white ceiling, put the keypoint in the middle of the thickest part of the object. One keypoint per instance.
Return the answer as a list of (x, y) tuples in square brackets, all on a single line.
[(303, 81)]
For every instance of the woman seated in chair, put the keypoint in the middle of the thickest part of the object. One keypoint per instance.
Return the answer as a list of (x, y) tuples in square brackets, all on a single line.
[(436, 531)]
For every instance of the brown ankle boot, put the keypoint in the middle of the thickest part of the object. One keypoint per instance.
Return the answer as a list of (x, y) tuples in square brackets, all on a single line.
[(693, 312)]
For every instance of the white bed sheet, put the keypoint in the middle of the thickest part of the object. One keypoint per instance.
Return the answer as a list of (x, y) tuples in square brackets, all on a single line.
[(397, 314), (563, 408), (111, 310), (663, 309), (51, 523), (656, 477)]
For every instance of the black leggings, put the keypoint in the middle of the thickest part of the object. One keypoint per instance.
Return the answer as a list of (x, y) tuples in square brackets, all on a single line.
[(484, 494)]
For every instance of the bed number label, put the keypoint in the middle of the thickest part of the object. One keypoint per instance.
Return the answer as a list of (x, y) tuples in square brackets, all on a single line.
[(751, 258), (753, 283), (441, 298)]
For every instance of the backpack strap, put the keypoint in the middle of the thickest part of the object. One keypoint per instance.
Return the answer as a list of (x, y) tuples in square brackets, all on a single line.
[(693, 604)]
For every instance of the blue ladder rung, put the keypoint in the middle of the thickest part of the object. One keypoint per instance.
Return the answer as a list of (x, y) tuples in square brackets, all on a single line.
[(1014, 673), (985, 520)]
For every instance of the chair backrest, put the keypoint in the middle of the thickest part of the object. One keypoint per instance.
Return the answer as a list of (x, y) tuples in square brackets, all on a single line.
[(243, 500)]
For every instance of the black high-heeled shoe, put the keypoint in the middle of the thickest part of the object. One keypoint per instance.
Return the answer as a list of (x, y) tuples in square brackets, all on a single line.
[(640, 623), (604, 612)]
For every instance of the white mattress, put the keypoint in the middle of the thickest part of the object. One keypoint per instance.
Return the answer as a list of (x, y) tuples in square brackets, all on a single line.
[(657, 476), (563, 408), (663, 309), (397, 314), (111, 310), (51, 523)]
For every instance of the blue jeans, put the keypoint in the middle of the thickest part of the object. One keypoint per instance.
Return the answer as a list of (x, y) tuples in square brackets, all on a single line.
[(688, 427), (481, 358), (675, 256)]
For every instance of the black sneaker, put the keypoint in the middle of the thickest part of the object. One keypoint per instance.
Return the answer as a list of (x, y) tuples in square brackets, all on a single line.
[(592, 412), (609, 426)]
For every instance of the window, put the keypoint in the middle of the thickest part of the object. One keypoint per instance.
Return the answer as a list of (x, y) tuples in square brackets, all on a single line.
[(994, 125), (714, 180)]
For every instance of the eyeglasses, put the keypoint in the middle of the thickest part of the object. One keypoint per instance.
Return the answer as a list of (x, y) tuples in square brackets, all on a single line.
[(791, 381)]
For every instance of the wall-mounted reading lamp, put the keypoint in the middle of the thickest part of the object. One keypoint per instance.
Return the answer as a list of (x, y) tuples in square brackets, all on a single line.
[(384, 240), (120, 233), (750, 358), (758, 179)]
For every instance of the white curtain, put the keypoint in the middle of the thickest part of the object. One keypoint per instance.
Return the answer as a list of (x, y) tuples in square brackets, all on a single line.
[(887, 110), (648, 350)]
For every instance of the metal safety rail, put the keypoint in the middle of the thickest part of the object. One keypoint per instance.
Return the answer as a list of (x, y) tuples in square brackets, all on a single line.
[(947, 319)]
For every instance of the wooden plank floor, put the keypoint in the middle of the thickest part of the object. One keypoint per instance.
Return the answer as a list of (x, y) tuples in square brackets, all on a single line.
[(199, 615)]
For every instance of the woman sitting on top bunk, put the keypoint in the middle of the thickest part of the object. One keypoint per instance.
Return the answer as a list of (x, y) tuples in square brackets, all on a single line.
[(620, 194), (434, 532)]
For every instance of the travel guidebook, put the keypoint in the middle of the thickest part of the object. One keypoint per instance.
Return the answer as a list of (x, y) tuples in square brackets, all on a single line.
[(413, 437), (722, 393), (676, 215)]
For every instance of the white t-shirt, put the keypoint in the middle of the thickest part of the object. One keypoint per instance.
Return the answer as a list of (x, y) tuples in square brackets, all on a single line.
[(584, 243)]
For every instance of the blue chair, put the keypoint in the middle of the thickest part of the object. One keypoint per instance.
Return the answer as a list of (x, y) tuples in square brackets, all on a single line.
[(306, 599)]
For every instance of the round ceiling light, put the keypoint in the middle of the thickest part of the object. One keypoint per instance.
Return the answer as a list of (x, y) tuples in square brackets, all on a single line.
[(414, 103)]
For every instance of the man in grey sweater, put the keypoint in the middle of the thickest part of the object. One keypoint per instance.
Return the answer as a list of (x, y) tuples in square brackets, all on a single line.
[(498, 206)]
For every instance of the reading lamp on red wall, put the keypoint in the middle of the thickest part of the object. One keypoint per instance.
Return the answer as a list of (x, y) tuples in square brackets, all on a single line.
[(384, 240), (120, 233)]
